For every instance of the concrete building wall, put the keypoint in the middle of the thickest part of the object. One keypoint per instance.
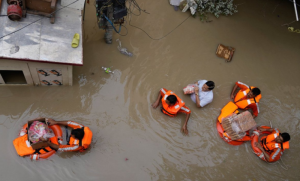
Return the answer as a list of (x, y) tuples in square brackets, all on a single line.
[(35, 73)]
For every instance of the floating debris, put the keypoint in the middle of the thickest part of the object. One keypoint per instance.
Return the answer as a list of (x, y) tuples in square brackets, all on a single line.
[(107, 70), (123, 50)]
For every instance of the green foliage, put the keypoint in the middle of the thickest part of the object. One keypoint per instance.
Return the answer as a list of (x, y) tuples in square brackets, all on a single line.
[(215, 7)]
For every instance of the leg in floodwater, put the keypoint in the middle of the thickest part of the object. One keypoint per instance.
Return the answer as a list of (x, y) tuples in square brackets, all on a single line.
[(109, 27), (176, 8)]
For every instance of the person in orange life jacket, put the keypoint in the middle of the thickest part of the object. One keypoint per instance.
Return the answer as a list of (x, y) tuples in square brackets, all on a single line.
[(203, 93), (80, 138), (275, 143), (171, 105), (247, 97)]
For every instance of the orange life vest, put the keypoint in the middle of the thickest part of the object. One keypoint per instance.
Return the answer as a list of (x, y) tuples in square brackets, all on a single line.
[(23, 147), (242, 102), (228, 109), (269, 143), (86, 140), (171, 110)]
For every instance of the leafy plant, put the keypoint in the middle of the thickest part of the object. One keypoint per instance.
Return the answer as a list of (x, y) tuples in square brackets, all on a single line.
[(215, 7)]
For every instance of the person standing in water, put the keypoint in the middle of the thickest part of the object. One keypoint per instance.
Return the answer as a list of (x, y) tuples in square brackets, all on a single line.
[(175, 4), (203, 93), (247, 97), (172, 105)]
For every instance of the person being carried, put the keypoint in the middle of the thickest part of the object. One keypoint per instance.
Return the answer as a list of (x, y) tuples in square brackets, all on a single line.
[(203, 93), (247, 97), (80, 138), (273, 144), (171, 105)]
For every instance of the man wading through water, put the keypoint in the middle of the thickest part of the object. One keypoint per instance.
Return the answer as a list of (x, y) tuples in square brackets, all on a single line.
[(246, 98), (171, 105)]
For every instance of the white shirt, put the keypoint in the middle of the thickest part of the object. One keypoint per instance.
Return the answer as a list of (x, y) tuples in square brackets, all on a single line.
[(204, 97), (175, 2)]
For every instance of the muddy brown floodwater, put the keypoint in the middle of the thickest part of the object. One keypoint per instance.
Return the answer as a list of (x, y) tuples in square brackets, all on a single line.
[(131, 140)]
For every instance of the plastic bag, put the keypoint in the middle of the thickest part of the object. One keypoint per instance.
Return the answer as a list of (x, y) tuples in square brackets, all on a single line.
[(39, 130), (189, 89), (123, 50)]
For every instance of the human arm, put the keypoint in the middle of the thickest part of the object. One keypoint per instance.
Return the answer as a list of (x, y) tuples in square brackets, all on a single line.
[(40, 145), (233, 91), (255, 109), (187, 111), (52, 122), (267, 156), (206, 98), (65, 148), (197, 96), (265, 129), (156, 103), (240, 85), (184, 127), (52, 145), (71, 124)]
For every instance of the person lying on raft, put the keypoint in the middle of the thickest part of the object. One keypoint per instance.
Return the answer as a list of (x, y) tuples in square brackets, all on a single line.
[(171, 105), (203, 93), (80, 139), (273, 144), (247, 97)]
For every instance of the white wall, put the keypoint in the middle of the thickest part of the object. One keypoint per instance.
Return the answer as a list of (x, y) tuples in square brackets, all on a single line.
[(30, 70), (16, 65)]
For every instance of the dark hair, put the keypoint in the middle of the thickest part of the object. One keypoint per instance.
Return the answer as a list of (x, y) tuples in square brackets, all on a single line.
[(172, 99), (78, 133), (255, 91), (210, 84), (285, 136)]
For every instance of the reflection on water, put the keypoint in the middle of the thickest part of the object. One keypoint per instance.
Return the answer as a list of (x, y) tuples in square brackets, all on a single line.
[(133, 141)]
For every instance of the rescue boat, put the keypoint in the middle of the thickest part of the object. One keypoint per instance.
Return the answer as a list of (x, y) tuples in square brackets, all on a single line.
[(226, 111), (23, 147)]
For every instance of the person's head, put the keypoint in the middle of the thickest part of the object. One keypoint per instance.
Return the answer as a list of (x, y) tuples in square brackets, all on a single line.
[(209, 85), (283, 137), (77, 133), (253, 93), (171, 100)]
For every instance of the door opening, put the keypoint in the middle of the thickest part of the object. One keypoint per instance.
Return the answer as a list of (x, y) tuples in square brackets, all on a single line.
[(13, 76)]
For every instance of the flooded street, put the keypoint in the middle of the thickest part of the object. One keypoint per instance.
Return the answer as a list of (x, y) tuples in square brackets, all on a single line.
[(134, 142)]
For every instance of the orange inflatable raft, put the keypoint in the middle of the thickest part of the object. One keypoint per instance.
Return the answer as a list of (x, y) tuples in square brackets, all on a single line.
[(226, 111), (24, 148), (257, 151)]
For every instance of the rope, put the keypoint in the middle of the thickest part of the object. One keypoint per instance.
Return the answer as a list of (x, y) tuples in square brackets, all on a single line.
[(137, 6), (284, 166)]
